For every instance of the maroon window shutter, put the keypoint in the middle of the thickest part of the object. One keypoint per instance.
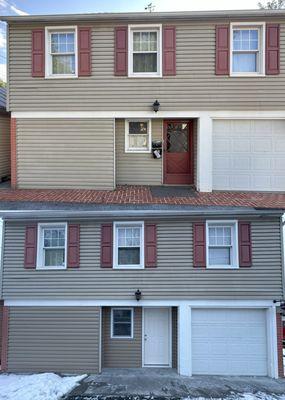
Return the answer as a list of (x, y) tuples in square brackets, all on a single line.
[(84, 51), (121, 50), (169, 50), (150, 253), (107, 245), (73, 246), (31, 247), (222, 50), (244, 237), (272, 49), (38, 53), (199, 240)]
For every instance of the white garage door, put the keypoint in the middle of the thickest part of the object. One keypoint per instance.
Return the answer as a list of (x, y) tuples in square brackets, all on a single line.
[(229, 342), (249, 155)]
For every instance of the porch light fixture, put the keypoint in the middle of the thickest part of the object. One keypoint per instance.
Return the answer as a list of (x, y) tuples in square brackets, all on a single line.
[(138, 295), (156, 106)]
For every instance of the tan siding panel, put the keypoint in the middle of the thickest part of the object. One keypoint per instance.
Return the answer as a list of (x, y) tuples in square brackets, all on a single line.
[(122, 353), (4, 146), (137, 169), (65, 153), (59, 339), (195, 87), (174, 278)]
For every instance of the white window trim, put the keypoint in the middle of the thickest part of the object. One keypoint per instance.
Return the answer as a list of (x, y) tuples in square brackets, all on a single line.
[(132, 323), (40, 263), (48, 66), (235, 260), (115, 245), (127, 142), (139, 28), (262, 29)]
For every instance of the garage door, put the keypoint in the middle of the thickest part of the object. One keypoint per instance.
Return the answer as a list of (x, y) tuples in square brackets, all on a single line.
[(249, 155), (229, 342)]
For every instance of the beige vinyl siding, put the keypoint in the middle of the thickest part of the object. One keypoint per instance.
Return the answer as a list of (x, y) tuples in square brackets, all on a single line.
[(174, 278), (55, 339), (195, 86), (137, 169), (121, 353), (65, 153), (4, 146)]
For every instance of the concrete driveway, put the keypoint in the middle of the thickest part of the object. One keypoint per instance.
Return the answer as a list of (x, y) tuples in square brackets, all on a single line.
[(156, 383)]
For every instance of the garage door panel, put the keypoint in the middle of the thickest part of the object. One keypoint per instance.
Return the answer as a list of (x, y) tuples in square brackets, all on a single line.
[(249, 155), (229, 342)]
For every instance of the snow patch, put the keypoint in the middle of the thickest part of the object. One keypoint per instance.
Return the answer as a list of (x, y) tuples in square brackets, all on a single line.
[(47, 386)]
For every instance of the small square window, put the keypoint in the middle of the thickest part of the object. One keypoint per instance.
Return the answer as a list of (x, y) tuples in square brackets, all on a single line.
[(138, 136), (122, 323), (128, 245), (52, 246)]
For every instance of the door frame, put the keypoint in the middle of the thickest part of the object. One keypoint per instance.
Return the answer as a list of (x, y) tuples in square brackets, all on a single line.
[(191, 144), (170, 337)]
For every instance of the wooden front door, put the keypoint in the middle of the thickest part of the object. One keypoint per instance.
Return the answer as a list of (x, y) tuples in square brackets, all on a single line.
[(178, 152)]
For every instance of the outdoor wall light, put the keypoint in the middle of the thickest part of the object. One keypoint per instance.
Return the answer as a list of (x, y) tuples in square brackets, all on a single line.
[(156, 106), (138, 295)]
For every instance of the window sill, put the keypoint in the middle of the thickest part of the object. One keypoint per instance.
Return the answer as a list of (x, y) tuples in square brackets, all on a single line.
[(40, 268), (236, 75), (144, 76), (138, 151), (128, 267), (61, 77), (222, 267), (122, 338)]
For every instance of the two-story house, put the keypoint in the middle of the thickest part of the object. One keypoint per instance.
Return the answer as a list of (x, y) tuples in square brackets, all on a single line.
[(100, 100)]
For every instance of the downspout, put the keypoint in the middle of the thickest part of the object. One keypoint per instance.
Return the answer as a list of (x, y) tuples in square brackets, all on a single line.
[(283, 254), (1, 255)]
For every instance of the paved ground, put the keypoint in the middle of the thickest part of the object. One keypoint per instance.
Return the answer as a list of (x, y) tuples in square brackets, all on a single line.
[(121, 384)]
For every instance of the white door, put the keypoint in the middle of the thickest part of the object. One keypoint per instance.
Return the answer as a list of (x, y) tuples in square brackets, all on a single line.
[(249, 155), (156, 337), (229, 342)]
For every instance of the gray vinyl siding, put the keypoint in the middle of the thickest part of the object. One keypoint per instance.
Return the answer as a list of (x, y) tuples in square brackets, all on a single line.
[(195, 86), (121, 353), (174, 278), (65, 153), (137, 169), (55, 339), (4, 146)]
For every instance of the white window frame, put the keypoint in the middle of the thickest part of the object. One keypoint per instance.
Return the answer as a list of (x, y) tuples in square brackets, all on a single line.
[(48, 57), (148, 28), (243, 26), (132, 323), (142, 150), (40, 245), (115, 245), (234, 259)]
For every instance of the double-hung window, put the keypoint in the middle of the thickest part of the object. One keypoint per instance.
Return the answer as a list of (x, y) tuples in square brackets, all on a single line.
[(52, 244), (61, 52), (128, 245), (247, 50), (122, 323), (145, 51), (222, 244), (137, 136)]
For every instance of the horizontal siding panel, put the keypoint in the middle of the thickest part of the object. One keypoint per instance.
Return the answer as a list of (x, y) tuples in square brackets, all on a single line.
[(174, 278), (194, 87), (65, 153)]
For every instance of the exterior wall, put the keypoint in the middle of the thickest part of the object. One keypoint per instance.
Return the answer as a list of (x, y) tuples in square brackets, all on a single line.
[(65, 153), (279, 325), (195, 87), (1, 316), (4, 146), (59, 339), (122, 353), (137, 169), (174, 278)]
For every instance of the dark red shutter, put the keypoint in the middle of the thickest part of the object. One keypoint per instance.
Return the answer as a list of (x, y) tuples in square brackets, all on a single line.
[(73, 246), (38, 52), (107, 245), (222, 50), (199, 241), (84, 51), (31, 247), (244, 238), (150, 253), (272, 49), (121, 50), (169, 50)]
